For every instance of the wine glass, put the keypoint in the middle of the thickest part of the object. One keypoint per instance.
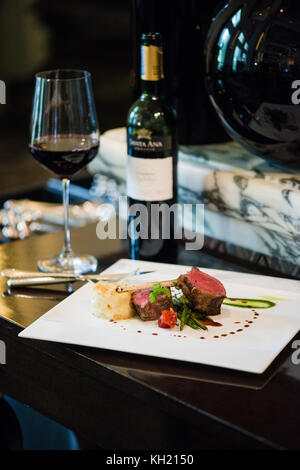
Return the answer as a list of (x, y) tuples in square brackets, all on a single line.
[(64, 137)]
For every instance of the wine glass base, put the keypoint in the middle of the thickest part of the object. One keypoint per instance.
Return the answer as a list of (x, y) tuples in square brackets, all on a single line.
[(70, 264)]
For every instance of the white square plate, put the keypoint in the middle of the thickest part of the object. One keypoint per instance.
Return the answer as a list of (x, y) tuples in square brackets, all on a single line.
[(248, 340)]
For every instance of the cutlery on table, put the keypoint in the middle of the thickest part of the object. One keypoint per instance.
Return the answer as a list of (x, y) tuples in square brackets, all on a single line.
[(32, 278)]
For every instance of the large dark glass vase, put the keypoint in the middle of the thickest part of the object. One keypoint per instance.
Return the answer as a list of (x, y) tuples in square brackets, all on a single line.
[(252, 63)]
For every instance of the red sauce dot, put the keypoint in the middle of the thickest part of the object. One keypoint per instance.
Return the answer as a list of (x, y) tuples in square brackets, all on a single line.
[(239, 329), (179, 336), (249, 321), (110, 320), (224, 334), (246, 326), (237, 322), (202, 337), (232, 333), (139, 331), (155, 334), (216, 336)]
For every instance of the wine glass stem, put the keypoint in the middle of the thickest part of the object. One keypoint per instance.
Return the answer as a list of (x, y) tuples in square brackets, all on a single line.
[(67, 242)]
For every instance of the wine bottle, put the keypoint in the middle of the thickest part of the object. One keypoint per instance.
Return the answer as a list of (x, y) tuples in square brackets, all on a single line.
[(151, 161)]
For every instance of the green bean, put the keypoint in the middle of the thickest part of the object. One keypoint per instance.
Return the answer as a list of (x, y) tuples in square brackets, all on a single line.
[(201, 325), (192, 324), (182, 319)]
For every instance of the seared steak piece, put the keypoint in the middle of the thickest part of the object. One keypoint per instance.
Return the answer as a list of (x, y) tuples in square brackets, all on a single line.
[(147, 310), (205, 292)]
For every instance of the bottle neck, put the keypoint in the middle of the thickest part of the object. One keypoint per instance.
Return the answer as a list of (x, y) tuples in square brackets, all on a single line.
[(154, 88), (152, 69)]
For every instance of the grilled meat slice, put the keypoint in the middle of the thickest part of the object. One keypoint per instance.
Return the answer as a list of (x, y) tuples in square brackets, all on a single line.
[(147, 310), (204, 292)]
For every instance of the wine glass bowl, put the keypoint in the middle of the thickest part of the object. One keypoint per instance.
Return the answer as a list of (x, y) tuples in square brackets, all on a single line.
[(64, 138)]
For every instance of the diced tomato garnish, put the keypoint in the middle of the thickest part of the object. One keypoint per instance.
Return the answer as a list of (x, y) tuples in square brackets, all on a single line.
[(168, 319), (162, 325)]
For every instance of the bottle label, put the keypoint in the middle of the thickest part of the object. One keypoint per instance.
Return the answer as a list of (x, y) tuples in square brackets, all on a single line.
[(151, 63), (150, 179), (142, 140)]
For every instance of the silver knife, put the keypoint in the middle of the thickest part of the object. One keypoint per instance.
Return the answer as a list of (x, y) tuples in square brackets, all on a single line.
[(32, 278)]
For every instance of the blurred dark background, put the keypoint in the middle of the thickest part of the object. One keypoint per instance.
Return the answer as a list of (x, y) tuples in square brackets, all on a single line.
[(39, 35)]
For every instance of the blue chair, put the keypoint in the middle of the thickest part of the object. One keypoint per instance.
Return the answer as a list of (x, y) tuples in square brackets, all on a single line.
[(31, 430)]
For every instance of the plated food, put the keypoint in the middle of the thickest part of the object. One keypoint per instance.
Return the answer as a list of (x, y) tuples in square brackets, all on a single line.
[(257, 320), (187, 300)]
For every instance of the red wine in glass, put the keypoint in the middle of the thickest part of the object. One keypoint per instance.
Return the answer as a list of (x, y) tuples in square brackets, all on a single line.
[(64, 155)]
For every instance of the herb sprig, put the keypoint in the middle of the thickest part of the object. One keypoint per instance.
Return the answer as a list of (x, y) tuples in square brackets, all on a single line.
[(158, 289)]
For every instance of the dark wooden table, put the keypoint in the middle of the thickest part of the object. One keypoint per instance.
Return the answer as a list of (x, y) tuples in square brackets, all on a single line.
[(124, 401)]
